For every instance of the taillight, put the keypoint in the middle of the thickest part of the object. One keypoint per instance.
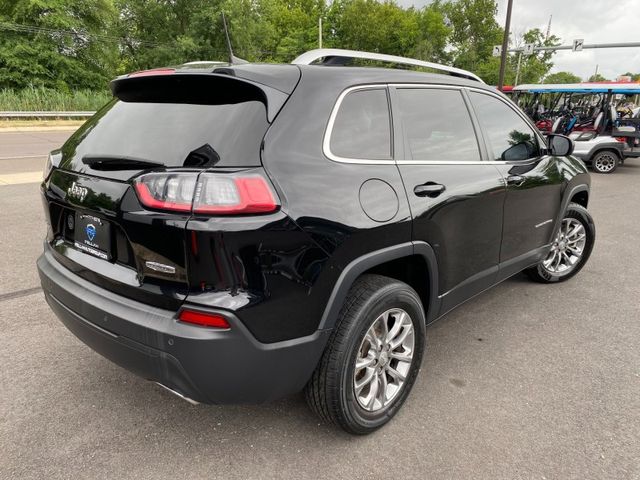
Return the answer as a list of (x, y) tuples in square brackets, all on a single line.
[(208, 193), (243, 194), (166, 191), (621, 139), (53, 160), (212, 320)]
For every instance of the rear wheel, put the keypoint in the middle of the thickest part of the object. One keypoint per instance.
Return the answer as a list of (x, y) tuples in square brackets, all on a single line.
[(373, 356), (605, 162), (570, 249)]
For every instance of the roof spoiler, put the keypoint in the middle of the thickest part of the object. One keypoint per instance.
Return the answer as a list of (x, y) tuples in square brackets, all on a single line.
[(336, 56), (196, 88)]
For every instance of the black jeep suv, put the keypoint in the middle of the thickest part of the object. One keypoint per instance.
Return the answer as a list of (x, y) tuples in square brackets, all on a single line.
[(237, 233)]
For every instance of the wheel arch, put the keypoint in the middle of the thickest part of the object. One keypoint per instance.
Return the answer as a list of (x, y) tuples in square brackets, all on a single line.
[(419, 256), (578, 192), (606, 148), (581, 197)]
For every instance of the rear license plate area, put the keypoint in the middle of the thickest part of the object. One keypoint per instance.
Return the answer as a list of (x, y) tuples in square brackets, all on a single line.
[(92, 235)]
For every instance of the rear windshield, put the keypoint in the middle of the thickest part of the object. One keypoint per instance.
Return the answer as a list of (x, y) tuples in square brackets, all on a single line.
[(168, 133)]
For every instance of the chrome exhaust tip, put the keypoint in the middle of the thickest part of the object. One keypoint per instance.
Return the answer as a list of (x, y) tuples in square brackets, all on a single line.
[(178, 394)]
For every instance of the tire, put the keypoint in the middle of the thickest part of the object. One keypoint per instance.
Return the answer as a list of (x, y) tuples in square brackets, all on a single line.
[(331, 391), (552, 268), (605, 162)]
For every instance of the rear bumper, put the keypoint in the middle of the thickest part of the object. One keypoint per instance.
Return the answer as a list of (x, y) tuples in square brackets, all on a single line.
[(202, 364)]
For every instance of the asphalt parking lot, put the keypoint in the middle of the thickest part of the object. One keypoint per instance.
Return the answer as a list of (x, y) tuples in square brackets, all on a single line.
[(526, 381)]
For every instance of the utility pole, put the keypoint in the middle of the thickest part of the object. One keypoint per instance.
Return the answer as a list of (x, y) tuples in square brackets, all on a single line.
[(548, 28), (515, 82), (505, 46), (320, 32)]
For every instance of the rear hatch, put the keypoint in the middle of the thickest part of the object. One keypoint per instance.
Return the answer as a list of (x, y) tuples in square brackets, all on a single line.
[(122, 188)]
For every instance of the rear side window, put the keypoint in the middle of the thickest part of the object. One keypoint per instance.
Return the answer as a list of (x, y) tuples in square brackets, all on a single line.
[(437, 125), (510, 137), (362, 127)]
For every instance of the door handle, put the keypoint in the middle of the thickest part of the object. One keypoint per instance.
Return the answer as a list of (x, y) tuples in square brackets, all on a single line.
[(429, 189), (515, 180)]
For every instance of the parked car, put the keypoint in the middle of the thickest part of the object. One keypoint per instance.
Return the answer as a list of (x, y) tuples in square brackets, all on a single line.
[(245, 232)]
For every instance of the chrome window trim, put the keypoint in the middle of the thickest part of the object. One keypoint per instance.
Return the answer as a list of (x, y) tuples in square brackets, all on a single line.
[(326, 147)]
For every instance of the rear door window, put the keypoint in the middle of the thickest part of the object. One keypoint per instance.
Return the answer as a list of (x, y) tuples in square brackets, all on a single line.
[(362, 126), (437, 125)]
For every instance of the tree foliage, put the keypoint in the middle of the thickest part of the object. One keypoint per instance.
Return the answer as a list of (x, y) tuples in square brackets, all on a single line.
[(474, 33), (533, 67), (597, 78), (562, 77), (63, 48), (72, 44)]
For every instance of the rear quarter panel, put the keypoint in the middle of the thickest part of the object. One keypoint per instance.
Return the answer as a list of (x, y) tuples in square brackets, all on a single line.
[(322, 196)]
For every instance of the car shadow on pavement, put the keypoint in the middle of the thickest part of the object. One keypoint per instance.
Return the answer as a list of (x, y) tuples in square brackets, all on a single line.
[(134, 400)]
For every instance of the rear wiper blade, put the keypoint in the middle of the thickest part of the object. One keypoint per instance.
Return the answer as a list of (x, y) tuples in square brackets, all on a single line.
[(107, 163)]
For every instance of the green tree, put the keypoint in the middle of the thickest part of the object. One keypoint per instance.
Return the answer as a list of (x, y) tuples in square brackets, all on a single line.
[(156, 33), (373, 26), (187, 30), (433, 34), (533, 67), (597, 78), (57, 43), (287, 28), (635, 77), (475, 32), (562, 77)]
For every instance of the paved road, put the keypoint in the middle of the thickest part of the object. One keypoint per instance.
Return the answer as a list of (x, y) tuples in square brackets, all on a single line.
[(526, 381)]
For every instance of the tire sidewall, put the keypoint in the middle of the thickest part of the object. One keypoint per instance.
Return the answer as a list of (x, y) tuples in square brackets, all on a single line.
[(397, 296)]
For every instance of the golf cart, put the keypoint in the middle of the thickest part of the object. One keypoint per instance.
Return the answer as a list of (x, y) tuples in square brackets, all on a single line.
[(597, 116)]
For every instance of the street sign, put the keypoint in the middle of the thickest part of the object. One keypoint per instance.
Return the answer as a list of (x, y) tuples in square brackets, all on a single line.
[(497, 50), (578, 44), (528, 48)]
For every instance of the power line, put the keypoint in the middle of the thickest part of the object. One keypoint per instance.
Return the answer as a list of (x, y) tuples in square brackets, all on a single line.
[(23, 28), (33, 29)]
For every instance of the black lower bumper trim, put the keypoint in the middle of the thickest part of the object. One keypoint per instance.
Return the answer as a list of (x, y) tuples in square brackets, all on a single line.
[(206, 365)]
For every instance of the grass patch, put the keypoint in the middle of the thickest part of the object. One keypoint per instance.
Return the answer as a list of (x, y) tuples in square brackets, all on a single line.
[(45, 99)]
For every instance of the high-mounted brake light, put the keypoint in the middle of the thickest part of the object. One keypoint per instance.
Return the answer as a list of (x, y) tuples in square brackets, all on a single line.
[(206, 193), (154, 71), (212, 320)]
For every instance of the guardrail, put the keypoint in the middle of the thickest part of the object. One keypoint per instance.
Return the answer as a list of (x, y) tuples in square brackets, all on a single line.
[(42, 114)]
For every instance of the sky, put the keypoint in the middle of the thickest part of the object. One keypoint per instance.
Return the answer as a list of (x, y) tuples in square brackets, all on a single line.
[(595, 21)]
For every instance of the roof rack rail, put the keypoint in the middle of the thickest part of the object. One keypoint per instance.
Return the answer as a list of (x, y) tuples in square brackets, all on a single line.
[(337, 56)]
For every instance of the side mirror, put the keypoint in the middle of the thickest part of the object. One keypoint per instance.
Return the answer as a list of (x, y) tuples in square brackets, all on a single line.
[(559, 145), (519, 151)]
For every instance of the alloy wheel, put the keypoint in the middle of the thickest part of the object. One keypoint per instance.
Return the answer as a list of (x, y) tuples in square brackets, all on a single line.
[(605, 162), (384, 360), (567, 248)]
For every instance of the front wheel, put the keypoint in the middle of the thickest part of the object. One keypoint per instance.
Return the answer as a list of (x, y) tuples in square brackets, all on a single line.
[(570, 249), (372, 358), (605, 162)]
